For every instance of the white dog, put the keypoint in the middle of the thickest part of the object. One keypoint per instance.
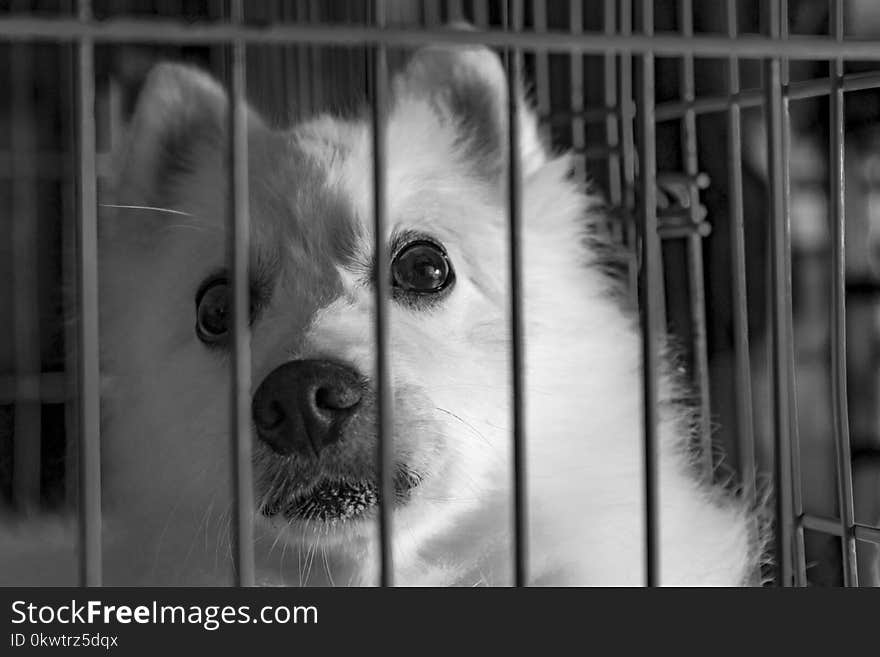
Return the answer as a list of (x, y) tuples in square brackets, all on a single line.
[(166, 350)]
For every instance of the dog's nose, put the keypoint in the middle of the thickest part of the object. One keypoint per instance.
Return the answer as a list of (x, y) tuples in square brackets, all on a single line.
[(301, 407)]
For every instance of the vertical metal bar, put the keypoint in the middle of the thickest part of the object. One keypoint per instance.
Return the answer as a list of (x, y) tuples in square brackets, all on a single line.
[(384, 420), (513, 64), (742, 367), (283, 75), (238, 244), (454, 10), (576, 84), (650, 293), (288, 67), (611, 100), (799, 566), (481, 13), (542, 67), (780, 249), (263, 68), (840, 412), (317, 52), (89, 369), (26, 431), (305, 105), (69, 268), (627, 138), (695, 246)]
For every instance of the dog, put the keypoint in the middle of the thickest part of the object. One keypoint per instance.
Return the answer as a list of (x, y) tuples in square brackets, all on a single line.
[(166, 350)]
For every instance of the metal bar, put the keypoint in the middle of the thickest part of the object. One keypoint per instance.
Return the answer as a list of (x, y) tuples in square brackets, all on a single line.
[(695, 249), (47, 166), (779, 290), (650, 294), (800, 90), (316, 58), (288, 68), (276, 75), (840, 412), (305, 105), (238, 245), (676, 109), (799, 565), (819, 524), (610, 98), (679, 232), (481, 13), (742, 367), (261, 67), (678, 178), (834, 527), (593, 114), (849, 82), (69, 229), (90, 566), (513, 64), (867, 534), (625, 114), (161, 31), (385, 410), (542, 69), (26, 432), (576, 90), (673, 110), (454, 10)]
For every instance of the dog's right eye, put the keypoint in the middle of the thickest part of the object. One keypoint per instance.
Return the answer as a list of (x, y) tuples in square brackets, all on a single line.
[(422, 267), (212, 312)]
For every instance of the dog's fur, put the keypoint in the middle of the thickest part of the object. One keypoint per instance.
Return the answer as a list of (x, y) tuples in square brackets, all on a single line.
[(166, 441)]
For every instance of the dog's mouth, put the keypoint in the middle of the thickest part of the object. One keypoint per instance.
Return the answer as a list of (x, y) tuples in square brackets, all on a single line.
[(336, 499)]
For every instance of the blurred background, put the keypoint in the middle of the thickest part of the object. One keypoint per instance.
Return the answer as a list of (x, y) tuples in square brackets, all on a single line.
[(579, 99)]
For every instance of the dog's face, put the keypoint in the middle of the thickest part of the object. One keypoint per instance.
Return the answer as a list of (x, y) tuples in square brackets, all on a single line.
[(166, 306)]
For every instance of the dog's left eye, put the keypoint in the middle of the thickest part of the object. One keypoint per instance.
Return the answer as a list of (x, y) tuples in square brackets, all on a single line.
[(212, 312), (422, 267)]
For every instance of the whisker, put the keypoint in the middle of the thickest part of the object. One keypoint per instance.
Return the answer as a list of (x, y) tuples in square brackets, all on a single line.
[(327, 566), (145, 207), (466, 424)]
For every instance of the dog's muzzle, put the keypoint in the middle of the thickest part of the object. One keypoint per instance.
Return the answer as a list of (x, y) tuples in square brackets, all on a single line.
[(303, 406)]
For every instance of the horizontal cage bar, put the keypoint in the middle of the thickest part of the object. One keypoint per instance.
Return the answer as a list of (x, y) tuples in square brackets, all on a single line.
[(599, 43)]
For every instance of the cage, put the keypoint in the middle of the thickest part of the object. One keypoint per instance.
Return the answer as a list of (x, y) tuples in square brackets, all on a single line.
[(733, 139)]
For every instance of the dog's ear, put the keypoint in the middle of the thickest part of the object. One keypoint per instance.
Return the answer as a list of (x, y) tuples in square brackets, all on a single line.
[(180, 122), (467, 85)]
